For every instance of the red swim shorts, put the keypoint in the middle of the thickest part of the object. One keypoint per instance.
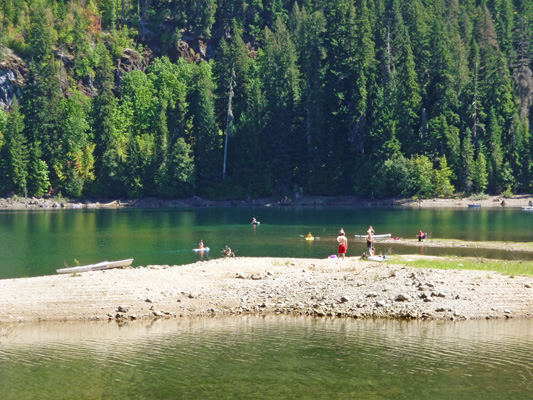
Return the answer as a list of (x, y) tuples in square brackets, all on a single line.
[(342, 249)]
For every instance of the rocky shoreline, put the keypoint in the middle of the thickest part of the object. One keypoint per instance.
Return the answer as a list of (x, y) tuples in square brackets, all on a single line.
[(21, 203), (351, 288)]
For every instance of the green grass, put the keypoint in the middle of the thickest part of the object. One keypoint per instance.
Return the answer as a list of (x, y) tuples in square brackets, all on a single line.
[(507, 267)]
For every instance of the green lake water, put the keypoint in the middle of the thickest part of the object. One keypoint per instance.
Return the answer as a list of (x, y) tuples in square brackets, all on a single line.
[(39, 242), (274, 357)]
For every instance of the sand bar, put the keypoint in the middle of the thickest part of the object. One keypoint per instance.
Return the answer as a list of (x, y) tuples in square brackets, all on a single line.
[(351, 288)]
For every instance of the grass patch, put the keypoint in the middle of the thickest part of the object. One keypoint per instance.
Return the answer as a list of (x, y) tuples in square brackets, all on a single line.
[(441, 242), (507, 267)]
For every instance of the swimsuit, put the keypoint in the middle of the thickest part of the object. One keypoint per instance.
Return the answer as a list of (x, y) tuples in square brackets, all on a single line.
[(342, 248)]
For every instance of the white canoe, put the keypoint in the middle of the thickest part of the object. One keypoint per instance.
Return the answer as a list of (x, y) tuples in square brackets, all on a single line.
[(384, 236), (96, 267), (528, 208)]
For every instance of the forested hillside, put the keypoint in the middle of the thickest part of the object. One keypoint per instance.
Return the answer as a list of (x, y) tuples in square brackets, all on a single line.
[(250, 98)]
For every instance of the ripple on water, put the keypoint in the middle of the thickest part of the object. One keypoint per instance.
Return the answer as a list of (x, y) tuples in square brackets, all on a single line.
[(265, 357)]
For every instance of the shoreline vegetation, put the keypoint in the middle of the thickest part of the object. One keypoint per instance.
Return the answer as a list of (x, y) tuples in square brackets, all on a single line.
[(410, 287), (21, 203)]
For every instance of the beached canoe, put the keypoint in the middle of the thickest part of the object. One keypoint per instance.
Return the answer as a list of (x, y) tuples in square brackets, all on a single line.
[(383, 236), (474, 205), (96, 267), (528, 208)]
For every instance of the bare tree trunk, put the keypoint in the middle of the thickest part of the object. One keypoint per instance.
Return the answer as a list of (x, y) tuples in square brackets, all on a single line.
[(474, 116), (229, 118)]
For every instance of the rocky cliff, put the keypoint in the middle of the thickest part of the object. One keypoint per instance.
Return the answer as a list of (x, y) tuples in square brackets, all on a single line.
[(12, 72)]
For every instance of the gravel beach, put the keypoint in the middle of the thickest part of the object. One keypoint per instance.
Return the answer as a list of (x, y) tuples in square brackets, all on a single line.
[(352, 288)]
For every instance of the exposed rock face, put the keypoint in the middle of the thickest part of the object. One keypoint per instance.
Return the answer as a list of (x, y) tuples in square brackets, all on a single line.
[(194, 49), (131, 61), (12, 71)]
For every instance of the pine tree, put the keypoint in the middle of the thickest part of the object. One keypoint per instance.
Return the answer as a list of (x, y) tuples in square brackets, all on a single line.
[(480, 175), (495, 156), (442, 179), (406, 91), (102, 113), (38, 182), (307, 29), (467, 169), (14, 156), (342, 99), (205, 132), (281, 82)]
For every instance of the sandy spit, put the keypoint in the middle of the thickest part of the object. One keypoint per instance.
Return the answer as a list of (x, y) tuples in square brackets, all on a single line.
[(350, 288)]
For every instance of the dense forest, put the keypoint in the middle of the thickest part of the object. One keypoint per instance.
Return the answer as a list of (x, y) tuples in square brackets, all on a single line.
[(252, 98)]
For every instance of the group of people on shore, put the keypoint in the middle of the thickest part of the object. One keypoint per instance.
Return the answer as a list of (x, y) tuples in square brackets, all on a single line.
[(343, 243)]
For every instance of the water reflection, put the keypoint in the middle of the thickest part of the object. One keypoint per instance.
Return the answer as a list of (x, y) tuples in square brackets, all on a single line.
[(37, 243), (268, 357)]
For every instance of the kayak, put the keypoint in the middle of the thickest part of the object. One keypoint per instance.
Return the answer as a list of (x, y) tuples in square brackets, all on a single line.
[(204, 249), (384, 236), (309, 238), (255, 223)]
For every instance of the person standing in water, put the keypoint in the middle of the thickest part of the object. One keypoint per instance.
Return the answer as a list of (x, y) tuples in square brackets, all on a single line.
[(343, 243), (201, 244)]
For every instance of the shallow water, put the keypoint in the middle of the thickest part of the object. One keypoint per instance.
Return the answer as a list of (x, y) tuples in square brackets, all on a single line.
[(268, 357), (39, 242)]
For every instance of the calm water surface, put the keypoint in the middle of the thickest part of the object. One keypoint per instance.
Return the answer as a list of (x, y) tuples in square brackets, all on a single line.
[(39, 242), (268, 358)]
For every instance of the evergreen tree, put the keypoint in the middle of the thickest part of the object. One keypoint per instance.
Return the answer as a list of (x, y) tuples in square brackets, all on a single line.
[(307, 31), (109, 11), (40, 33), (14, 156), (247, 163), (495, 156), (281, 83), (467, 169), (102, 114), (38, 182), (341, 97), (178, 171), (442, 180), (405, 89), (480, 175), (205, 132), (75, 170)]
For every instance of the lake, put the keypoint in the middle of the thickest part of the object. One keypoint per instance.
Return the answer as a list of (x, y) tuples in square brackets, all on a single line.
[(37, 243), (254, 357), (272, 357)]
